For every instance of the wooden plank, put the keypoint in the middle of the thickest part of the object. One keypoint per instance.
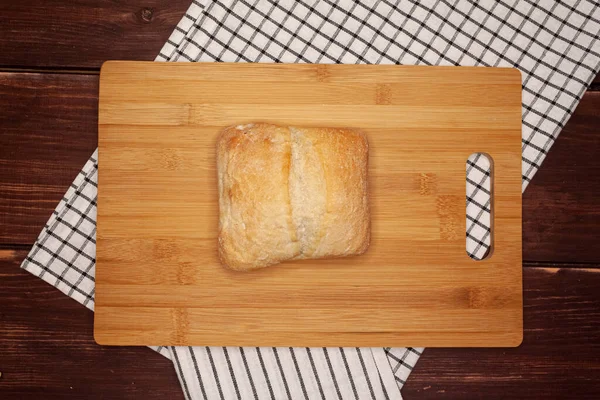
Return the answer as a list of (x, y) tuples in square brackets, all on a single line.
[(161, 188), (49, 129), (48, 351), (83, 33), (561, 218), (559, 357)]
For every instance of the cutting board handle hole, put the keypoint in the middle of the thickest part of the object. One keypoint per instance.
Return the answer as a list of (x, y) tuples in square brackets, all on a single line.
[(480, 193)]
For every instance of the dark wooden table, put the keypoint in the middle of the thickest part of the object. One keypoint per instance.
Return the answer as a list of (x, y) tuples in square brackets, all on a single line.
[(50, 55)]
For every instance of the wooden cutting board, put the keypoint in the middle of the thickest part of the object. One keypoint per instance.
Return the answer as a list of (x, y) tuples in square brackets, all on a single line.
[(158, 279)]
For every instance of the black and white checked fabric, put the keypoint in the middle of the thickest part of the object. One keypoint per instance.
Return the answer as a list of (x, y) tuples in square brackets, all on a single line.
[(284, 373), (554, 44)]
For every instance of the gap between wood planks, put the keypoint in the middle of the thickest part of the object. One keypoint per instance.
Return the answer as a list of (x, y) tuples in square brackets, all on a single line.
[(51, 70)]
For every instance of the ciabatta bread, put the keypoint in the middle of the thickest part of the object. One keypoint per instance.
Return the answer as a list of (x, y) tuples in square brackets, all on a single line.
[(291, 193)]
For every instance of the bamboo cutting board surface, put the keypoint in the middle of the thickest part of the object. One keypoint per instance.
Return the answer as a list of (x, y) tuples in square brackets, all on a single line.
[(158, 278)]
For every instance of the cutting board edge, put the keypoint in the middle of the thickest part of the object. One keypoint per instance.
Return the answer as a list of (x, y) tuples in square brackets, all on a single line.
[(110, 64)]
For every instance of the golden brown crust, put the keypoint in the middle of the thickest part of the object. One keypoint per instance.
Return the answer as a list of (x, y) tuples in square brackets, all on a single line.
[(334, 203), (255, 225), (289, 193)]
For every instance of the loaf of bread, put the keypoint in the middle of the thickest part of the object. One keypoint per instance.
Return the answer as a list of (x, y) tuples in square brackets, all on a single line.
[(290, 193)]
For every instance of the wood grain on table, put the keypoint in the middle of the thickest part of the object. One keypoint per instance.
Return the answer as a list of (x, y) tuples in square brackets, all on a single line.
[(47, 349), (50, 55), (79, 35)]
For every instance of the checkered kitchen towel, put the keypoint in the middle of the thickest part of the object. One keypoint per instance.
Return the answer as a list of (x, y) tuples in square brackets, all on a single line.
[(554, 44)]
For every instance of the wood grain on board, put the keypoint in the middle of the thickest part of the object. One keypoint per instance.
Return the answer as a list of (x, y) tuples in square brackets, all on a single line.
[(158, 206)]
